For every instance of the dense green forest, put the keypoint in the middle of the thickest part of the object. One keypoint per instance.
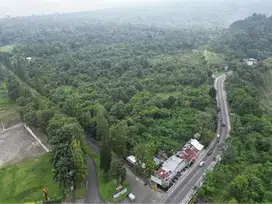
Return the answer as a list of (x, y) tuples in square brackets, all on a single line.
[(251, 37), (135, 89), (142, 89), (141, 75), (244, 174)]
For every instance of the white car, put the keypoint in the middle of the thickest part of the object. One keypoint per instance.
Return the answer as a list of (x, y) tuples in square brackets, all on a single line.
[(217, 136), (202, 163), (131, 197)]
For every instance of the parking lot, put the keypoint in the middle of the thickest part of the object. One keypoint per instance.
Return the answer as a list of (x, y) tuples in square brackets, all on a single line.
[(143, 193)]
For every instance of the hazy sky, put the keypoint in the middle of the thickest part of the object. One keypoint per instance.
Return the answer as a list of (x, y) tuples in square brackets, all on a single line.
[(29, 7)]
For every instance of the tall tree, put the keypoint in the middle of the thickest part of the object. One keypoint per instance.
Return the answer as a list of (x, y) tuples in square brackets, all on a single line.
[(63, 169), (118, 171), (145, 157), (118, 137), (102, 129), (102, 126), (79, 164)]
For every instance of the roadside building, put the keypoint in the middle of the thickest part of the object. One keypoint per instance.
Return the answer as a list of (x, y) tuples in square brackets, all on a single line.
[(189, 155), (29, 58), (196, 144), (132, 161), (197, 136), (168, 171), (250, 61), (190, 151), (157, 161)]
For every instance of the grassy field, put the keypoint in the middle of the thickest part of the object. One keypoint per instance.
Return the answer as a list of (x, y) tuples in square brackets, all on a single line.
[(24, 181), (214, 58), (106, 189), (10, 114), (7, 48)]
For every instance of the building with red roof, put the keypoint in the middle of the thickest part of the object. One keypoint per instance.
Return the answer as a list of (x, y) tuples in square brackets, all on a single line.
[(176, 163)]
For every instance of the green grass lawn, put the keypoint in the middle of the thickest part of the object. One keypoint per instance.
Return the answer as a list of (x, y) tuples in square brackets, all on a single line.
[(214, 58), (7, 48), (106, 189), (11, 114), (23, 182)]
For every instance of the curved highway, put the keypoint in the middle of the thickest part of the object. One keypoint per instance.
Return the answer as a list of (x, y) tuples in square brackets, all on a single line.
[(179, 193)]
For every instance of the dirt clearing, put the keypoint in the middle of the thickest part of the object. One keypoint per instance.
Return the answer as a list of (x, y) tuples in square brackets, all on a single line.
[(16, 144)]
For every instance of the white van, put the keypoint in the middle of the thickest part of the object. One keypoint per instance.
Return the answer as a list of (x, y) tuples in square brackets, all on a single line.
[(202, 163), (131, 197)]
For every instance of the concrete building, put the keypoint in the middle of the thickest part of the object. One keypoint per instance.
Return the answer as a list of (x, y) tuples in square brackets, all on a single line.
[(164, 175), (176, 163), (250, 61), (132, 160), (196, 144), (190, 151)]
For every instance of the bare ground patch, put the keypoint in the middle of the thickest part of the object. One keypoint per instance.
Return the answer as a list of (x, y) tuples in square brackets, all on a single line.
[(17, 144)]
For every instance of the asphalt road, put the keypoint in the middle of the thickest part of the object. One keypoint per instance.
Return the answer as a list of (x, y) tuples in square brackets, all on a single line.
[(92, 195), (144, 194), (187, 182)]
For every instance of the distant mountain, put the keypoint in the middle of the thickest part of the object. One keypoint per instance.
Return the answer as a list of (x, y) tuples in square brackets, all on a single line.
[(188, 12), (180, 13), (251, 37)]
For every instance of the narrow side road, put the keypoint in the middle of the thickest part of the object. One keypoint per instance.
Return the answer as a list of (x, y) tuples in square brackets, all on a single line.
[(92, 195)]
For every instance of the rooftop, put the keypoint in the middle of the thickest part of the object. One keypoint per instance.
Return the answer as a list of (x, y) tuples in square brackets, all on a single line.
[(131, 159), (188, 154), (196, 144), (252, 59), (169, 166)]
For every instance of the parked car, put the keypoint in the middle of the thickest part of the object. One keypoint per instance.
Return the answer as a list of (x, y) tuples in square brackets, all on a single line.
[(210, 152), (131, 197), (202, 163)]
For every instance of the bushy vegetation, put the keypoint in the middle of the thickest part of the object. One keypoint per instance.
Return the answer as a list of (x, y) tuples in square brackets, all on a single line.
[(121, 76), (140, 90), (64, 133), (243, 175), (123, 85), (250, 37)]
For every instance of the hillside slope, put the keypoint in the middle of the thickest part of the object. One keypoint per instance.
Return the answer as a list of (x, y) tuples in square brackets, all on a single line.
[(251, 37), (266, 100)]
